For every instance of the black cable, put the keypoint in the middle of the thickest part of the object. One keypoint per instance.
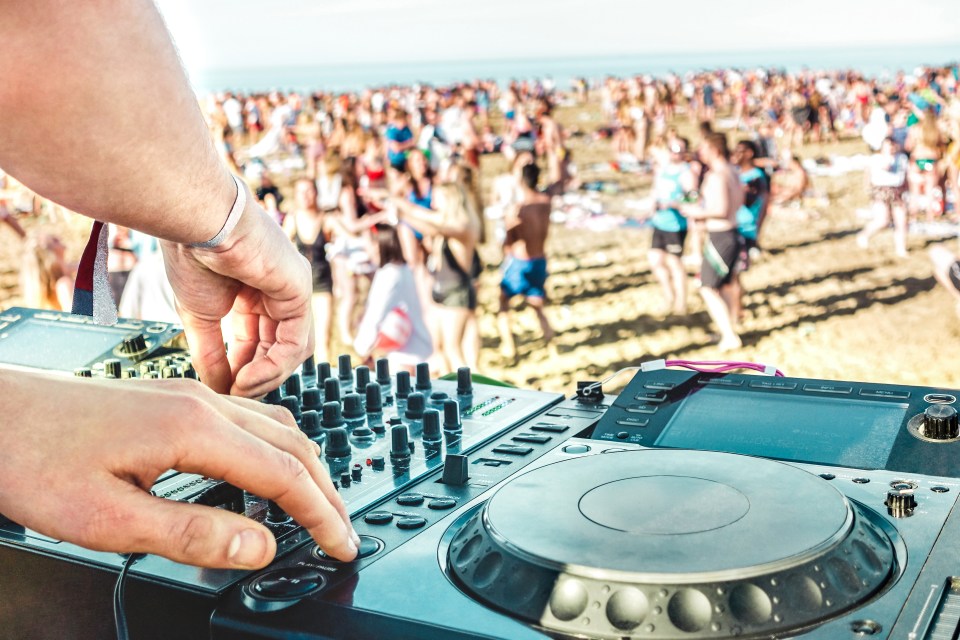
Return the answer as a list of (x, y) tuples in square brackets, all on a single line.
[(119, 615)]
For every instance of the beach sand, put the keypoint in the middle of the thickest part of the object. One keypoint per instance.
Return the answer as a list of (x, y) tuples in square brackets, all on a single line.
[(817, 305)]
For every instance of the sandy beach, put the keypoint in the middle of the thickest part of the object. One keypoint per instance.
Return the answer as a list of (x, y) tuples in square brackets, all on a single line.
[(817, 305)]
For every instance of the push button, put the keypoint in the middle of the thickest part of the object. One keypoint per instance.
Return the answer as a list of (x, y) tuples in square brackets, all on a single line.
[(281, 588), (773, 384), (828, 388), (368, 547), (512, 450), (378, 517), (885, 393), (531, 438), (411, 522), (642, 408), (442, 504), (410, 500), (576, 448), (550, 428)]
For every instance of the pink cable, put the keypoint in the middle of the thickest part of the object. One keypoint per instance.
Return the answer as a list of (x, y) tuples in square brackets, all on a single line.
[(708, 366)]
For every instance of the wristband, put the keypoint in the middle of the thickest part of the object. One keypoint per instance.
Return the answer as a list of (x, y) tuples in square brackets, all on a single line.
[(232, 219)]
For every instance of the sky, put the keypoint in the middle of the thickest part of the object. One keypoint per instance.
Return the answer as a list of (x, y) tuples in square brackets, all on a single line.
[(218, 34)]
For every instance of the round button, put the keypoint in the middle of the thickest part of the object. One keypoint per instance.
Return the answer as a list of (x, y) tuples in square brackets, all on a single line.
[(576, 448), (410, 500), (411, 522), (286, 584), (368, 546), (623, 435), (378, 517), (440, 504)]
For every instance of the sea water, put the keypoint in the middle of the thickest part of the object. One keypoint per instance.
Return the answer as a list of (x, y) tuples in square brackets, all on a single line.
[(873, 61)]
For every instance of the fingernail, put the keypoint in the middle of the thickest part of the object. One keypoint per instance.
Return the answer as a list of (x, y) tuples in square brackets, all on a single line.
[(354, 537), (353, 546), (247, 548)]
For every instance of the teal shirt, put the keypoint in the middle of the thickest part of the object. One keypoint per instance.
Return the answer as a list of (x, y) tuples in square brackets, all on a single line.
[(668, 188)]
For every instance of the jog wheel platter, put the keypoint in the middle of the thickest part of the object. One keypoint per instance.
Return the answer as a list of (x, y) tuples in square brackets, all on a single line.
[(672, 544)]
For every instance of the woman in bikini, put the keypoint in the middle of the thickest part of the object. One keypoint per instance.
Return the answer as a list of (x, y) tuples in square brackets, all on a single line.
[(455, 225), (308, 226), (925, 146)]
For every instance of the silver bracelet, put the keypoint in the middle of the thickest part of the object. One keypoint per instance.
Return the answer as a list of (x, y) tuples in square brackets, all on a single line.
[(232, 219)]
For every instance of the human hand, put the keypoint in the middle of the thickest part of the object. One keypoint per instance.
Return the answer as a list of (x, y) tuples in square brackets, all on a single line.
[(80, 469), (258, 274)]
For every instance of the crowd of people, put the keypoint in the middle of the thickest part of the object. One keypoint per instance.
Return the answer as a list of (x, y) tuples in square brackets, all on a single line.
[(399, 168)]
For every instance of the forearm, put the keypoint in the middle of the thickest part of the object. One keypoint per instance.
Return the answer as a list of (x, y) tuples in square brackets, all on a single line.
[(99, 117)]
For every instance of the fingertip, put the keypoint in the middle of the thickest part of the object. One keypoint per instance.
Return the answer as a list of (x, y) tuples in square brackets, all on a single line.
[(251, 548)]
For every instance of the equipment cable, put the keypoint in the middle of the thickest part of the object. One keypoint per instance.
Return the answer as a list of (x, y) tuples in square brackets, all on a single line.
[(119, 614)]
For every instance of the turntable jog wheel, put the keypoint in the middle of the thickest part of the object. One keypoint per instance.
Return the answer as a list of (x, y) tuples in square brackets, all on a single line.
[(671, 544)]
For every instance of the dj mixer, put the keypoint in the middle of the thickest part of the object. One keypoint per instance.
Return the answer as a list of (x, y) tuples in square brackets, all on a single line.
[(691, 505)]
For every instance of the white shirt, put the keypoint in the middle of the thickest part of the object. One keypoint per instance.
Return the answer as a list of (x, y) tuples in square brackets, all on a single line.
[(394, 286)]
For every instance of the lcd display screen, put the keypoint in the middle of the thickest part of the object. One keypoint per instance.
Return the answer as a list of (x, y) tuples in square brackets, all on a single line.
[(58, 346), (849, 432)]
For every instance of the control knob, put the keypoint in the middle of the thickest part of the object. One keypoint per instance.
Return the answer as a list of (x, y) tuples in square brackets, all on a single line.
[(331, 418), (464, 382), (940, 422), (423, 383), (132, 345), (323, 372), (292, 404), (353, 406), (111, 368), (312, 399), (403, 385), (293, 386), (363, 378), (331, 390), (338, 443), (345, 371), (273, 397), (310, 425), (400, 448), (901, 500), (308, 371)]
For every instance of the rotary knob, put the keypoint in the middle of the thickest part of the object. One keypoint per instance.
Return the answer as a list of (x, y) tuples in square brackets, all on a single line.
[(133, 345), (940, 422), (901, 500)]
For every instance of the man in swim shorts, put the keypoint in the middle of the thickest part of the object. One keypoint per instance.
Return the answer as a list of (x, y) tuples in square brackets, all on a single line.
[(525, 262)]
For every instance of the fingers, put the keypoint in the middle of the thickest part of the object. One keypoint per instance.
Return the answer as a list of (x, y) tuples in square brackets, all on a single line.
[(259, 419), (288, 342), (192, 534), (272, 462), (208, 354)]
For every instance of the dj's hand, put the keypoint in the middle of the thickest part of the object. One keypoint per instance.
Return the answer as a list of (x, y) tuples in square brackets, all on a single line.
[(259, 275), (80, 468)]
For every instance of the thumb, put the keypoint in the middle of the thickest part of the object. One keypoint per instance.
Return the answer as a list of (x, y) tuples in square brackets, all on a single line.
[(187, 533)]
